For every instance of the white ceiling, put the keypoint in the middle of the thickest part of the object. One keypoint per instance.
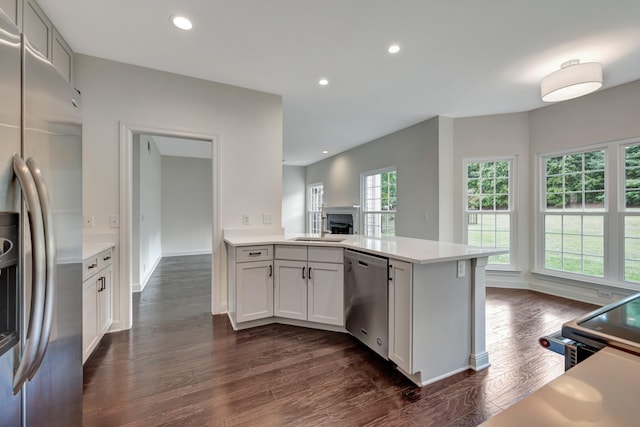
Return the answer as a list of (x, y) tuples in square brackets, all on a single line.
[(459, 58)]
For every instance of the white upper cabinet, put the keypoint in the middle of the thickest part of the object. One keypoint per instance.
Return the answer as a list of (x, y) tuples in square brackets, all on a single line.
[(41, 33), (37, 27), (11, 8), (62, 56)]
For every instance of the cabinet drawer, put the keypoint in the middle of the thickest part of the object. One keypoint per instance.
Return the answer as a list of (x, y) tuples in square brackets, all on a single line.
[(105, 259), (295, 253), (324, 254), (254, 253), (90, 266)]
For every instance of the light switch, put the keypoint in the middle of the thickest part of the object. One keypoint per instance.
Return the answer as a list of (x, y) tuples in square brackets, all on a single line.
[(267, 218)]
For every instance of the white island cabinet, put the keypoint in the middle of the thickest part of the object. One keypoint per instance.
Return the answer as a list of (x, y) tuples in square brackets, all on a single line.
[(309, 284), (436, 296), (250, 274)]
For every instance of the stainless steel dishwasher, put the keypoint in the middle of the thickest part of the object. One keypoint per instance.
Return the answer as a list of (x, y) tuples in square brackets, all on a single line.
[(366, 299)]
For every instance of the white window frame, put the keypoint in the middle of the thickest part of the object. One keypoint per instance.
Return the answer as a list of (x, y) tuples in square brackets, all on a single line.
[(513, 167), (363, 204), (313, 213), (623, 213), (610, 219)]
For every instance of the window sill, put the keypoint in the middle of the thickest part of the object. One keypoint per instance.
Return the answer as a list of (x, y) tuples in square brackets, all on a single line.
[(589, 280), (508, 270)]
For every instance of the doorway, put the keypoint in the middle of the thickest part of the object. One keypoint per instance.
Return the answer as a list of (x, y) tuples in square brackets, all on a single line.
[(141, 198)]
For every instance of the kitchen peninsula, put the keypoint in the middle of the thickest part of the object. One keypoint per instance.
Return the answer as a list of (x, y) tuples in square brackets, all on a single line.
[(436, 293)]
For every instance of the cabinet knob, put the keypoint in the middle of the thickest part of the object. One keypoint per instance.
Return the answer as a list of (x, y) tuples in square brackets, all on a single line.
[(303, 272), (92, 266), (107, 258), (309, 272)]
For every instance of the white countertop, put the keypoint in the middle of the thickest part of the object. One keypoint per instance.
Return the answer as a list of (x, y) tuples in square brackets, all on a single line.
[(417, 251), (601, 391), (94, 248)]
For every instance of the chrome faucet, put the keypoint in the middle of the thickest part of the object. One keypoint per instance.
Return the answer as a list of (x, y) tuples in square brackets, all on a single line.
[(323, 222)]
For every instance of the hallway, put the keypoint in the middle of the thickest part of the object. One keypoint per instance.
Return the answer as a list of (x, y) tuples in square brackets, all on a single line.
[(180, 366)]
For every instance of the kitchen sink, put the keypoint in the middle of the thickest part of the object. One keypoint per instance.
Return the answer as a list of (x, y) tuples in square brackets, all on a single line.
[(318, 239)]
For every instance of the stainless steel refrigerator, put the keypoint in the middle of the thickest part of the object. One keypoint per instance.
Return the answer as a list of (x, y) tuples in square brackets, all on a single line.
[(40, 239)]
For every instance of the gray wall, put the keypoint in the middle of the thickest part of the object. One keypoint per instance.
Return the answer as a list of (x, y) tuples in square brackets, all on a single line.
[(293, 199), (186, 206), (149, 217), (414, 153)]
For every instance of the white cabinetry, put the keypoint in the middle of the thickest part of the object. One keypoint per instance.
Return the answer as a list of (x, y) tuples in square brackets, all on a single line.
[(428, 338), (250, 283), (400, 313), (96, 300), (41, 33), (309, 284)]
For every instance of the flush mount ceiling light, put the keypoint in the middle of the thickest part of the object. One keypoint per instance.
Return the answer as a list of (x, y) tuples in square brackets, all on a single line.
[(394, 48), (323, 82), (572, 80), (325, 152), (181, 22)]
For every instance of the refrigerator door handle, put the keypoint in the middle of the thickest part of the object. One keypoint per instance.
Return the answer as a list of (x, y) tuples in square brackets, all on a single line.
[(36, 316), (50, 248)]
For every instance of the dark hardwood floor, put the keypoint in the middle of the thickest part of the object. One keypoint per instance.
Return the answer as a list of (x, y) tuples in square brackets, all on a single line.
[(180, 366)]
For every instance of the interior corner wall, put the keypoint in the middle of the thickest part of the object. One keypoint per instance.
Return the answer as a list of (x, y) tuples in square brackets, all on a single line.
[(413, 151), (446, 182), (187, 205), (246, 123), (150, 218), (293, 199)]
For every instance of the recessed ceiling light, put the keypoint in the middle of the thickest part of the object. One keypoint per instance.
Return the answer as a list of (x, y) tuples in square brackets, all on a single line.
[(181, 22), (394, 48), (325, 152), (323, 82)]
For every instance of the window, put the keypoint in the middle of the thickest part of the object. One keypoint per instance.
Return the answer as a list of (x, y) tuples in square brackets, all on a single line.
[(315, 194), (631, 209), (379, 203), (574, 213), (489, 209)]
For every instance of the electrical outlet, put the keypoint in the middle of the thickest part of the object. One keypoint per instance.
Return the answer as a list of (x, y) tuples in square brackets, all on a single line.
[(245, 219), (461, 269), (604, 294), (267, 218), (114, 221), (89, 221)]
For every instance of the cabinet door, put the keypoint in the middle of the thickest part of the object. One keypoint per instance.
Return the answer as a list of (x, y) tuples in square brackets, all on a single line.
[(89, 316), (255, 290), (105, 316), (290, 298), (37, 27), (326, 293), (400, 314)]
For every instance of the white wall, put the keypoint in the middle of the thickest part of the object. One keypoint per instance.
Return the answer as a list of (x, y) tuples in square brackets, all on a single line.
[(414, 153), (496, 136), (150, 210), (247, 124), (293, 199), (135, 226), (186, 206)]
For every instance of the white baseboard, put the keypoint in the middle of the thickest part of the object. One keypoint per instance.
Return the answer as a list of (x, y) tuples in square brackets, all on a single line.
[(139, 287), (592, 293), (187, 253)]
